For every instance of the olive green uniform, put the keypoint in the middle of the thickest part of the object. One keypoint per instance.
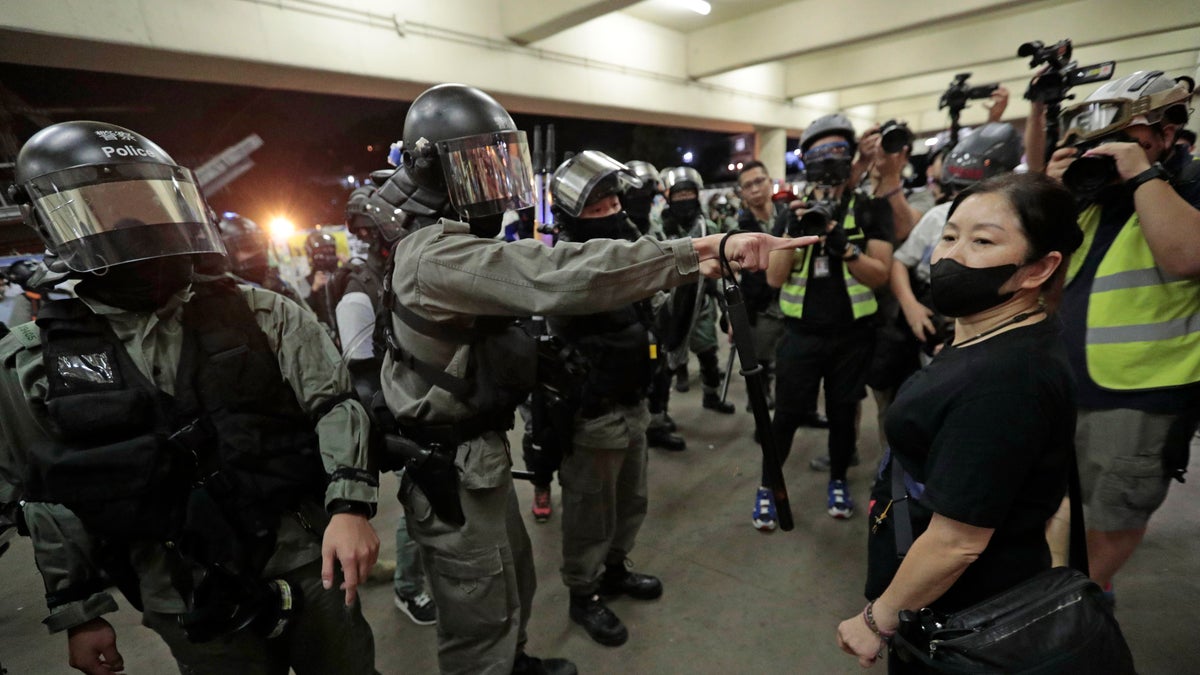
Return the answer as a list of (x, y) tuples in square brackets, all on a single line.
[(64, 550), (481, 573)]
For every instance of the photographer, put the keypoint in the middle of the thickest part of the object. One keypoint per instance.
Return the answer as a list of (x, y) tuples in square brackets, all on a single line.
[(1131, 303), (828, 302)]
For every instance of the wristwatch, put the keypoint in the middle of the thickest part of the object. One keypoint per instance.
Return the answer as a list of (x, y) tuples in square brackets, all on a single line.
[(1156, 170), (854, 252)]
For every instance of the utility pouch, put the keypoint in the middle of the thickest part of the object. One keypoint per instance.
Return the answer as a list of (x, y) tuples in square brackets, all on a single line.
[(131, 489)]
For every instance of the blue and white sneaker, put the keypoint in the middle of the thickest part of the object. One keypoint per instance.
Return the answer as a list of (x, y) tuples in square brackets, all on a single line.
[(764, 510), (840, 504)]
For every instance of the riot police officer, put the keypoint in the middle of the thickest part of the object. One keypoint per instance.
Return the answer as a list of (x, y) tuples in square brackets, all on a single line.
[(357, 297), (192, 442), (247, 246), (604, 473), (694, 311), (638, 204), (457, 364)]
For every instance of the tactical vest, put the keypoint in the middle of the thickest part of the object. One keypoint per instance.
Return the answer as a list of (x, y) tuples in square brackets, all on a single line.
[(130, 459), (619, 349), (1143, 324), (862, 298)]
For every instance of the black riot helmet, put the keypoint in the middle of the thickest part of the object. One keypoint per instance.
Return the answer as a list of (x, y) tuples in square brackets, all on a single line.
[(460, 142), (20, 271), (587, 178), (321, 249), (247, 245), (100, 195), (990, 150)]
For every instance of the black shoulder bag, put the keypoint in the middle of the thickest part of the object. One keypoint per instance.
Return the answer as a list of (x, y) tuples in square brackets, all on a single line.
[(1055, 623)]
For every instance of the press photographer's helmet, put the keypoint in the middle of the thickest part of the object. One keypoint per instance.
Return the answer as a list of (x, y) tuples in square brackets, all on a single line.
[(646, 172), (460, 142), (1145, 97), (587, 178), (828, 163), (679, 178), (990, 150), (98, 195), (836, 123)]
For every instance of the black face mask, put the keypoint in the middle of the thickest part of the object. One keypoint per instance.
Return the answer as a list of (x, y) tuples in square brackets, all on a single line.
[(486, 227), (637, 206), (828, 171), (615, 226), (139, 286), (684, 211), (959, 290)]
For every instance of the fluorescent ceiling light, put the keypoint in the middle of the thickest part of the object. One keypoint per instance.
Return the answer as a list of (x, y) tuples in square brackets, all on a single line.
[(698, 6)]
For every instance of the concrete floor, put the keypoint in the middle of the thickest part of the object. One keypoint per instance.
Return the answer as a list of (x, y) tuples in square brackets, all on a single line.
[(736, 600)]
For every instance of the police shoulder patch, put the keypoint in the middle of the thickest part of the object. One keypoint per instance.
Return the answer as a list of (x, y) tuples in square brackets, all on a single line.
[(24, 336)]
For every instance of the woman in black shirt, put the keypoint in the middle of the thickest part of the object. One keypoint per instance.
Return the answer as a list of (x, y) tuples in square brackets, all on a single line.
[(985, 431)]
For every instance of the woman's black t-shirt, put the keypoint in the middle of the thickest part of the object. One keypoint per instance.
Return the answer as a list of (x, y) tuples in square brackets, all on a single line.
[(987, 429)]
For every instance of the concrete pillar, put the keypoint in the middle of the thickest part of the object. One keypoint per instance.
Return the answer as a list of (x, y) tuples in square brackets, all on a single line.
[(770, 146)]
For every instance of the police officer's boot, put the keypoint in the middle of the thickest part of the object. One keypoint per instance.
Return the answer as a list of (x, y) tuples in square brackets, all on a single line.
[(598, 620), (658, 434), (661, 437), (618, 580), (712, 401), (532, 665)]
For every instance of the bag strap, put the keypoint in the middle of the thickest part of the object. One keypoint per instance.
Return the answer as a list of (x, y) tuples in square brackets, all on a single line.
[(904, 535), (1077, 555), (1077, 551)]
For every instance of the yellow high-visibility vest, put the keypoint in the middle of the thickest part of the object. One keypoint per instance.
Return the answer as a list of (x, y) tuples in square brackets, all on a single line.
[(862, 298), (1143, 324)]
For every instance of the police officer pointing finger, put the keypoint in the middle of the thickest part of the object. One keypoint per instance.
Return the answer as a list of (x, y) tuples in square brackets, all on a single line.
[(458, 365)]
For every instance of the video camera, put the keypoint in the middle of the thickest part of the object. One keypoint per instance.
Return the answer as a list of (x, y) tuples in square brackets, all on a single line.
[(1062, 73), (959, 92), (1051, 87)]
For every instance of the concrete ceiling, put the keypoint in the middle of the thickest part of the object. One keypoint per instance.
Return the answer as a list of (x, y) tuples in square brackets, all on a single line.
[(749, 64)]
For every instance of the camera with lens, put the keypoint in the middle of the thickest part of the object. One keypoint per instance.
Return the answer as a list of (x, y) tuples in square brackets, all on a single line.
[(224, 603), (1086, 176), (895, 136), (959, 92), (815, 220), (1062, 73)]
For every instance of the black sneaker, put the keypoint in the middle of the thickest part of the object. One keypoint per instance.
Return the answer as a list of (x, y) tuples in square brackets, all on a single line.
[(617, 580), (671, 426), (681, 383), (525, 664), (598, 620), (419, 608)]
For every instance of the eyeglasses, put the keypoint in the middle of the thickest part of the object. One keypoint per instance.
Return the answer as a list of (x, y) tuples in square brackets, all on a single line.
[(754, 183)]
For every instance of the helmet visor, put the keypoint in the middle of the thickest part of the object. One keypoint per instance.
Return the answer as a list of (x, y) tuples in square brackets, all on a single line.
[(488, 173), (98, 216), (574, 187), (1093, 119)]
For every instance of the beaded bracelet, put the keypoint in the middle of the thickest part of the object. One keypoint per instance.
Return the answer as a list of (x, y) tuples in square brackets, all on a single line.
[(869, 619)]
